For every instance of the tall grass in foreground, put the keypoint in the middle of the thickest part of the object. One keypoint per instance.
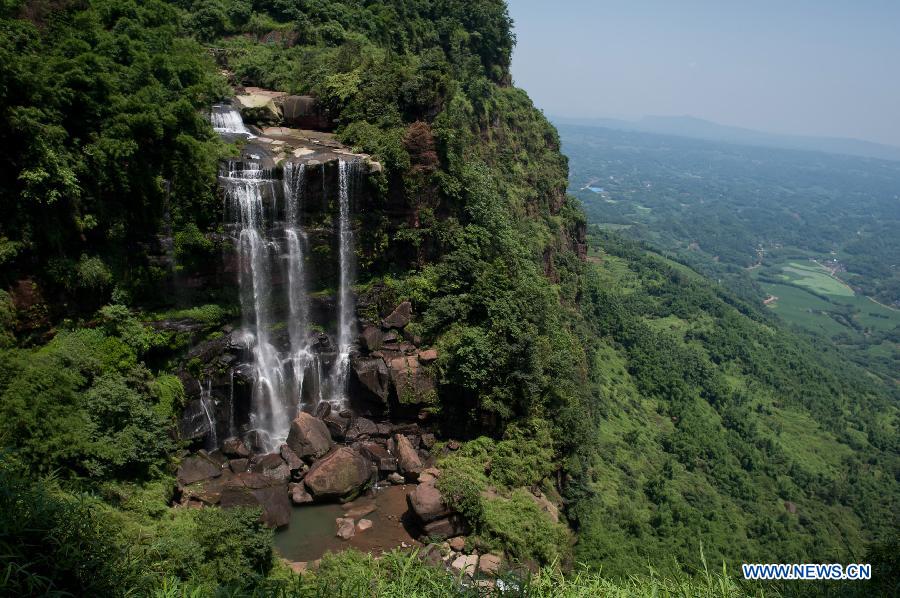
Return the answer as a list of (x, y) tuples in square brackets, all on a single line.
[(351, 574)]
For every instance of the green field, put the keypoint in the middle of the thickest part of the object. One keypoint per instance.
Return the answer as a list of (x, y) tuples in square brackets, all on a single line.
[(804, 309), (810, 298), (815, 278)]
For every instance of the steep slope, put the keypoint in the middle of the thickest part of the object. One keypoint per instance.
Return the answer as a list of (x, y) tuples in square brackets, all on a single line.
[(719, 429)]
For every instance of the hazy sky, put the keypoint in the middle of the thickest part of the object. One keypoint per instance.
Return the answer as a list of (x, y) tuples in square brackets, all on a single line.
[(812, 67)]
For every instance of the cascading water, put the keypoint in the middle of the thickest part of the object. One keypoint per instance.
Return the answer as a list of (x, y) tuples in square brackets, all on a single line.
[(272, 250), (206, 404), (346, 308), (247, 187), (300, 356), (227, 120)]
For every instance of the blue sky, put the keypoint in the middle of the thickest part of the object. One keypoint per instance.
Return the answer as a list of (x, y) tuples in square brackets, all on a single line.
[(812, 67)]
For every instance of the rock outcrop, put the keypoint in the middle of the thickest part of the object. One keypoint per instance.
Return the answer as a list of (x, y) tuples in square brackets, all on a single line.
[(340, 474), (309, 436)]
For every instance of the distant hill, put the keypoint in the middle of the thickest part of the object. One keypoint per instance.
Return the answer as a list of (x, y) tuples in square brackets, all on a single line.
[(689, 126)]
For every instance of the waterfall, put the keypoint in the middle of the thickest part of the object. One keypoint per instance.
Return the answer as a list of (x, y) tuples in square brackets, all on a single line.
[(265, 218), (300, 355), (227, 120), (246, 188), (207, 406), (346, 308)]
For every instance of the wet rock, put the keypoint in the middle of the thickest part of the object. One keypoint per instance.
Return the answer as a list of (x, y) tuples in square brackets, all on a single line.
[(323, 410), (372, 374), (215, 456), (341, 473), (345, 528), (256, 490), (256, 439), (400, 317), (426, 502), (294, 462), (299, 495), (235, 448), (272, 466), (239, 465), (337, 425), (489, 564), (377, 454), (197, 468), (383, 429), (309, 437), (363, 525), (396, 479), (371, 338), (407, 459)]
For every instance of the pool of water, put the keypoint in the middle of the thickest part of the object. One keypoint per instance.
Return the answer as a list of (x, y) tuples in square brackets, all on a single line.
[(311, 532)]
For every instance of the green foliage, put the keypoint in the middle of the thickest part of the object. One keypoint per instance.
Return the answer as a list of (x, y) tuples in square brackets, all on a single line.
[(102, 101), (712, 421), (57, 544), (489, 483), (7, 320), (84, 406)]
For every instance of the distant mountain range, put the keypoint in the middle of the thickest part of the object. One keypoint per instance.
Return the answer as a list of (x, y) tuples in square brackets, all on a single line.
[(697, 128)]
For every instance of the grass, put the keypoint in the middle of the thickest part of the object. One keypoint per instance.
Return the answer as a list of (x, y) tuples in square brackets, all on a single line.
[(797, 306), (815, 278), (402, 574)]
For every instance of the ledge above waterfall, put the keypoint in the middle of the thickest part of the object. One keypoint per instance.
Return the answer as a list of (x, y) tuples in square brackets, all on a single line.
[(305, 146)]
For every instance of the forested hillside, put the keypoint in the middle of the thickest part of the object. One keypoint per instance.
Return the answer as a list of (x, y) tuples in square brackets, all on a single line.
[(662, 417)]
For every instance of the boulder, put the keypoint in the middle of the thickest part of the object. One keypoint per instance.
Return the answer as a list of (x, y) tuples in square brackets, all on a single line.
[(457, 543), (489, 564), (345, 528), (341, 473), (412, 382), (363, 525), (299, 495), (372, 374), (371, 338), (454, 525), (239, 465), (428, 355), (196, 468), (337, 425), (361, 427), (258, 106), (428, 440), (465, 563), (257, 490), (235, 448), (427, 503), (294, 462), (396, 479), (400, 317), (309, 437), (407, 459), (377, 454), (273, 466)]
